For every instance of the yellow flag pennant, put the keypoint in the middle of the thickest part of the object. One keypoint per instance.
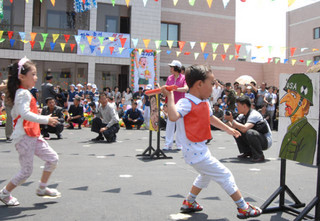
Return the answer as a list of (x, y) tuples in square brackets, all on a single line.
[(89, 39), (120, 50), (140, 51), (62, 45), (178, 53), (127, 2), (146, 42), (111, 38), (25, 41), (175, 2), (170, 43), (53, 2), (282, 50), (1, 33), (226, 47), (203, 45), (214, 56), (27, 1), (290, 2), (196, 54), (101, 49), (293, 61), (209, 3), (158, 43), (315, 49), (55, 37)]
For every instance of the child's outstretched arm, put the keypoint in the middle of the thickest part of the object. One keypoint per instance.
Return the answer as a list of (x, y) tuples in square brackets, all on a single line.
[(219, 124), (172, 111)]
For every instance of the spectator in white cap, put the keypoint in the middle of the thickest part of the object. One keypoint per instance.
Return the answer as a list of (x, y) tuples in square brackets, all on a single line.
[(95, 93), (146, 101), (88, 92), (80, 91), (71, 94), (178, 79)]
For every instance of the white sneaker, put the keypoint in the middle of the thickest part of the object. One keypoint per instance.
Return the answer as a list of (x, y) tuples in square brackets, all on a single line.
[(166, 147), (8, 199), (179, 147), (48, 192)]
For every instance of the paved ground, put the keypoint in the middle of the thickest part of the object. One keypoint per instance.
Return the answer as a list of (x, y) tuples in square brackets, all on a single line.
[(100, 181)]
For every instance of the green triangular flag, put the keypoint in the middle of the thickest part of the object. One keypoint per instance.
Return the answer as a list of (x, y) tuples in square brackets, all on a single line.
[(276, 60), (191, 2), (44, 36), (308, 62), (82, 46), (42, 43), (2, 40), (101, 40), (113, 2)]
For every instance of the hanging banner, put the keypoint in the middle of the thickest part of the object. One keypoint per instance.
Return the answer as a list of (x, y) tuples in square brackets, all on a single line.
[(299, 117), (108, 40), (1, 10), (154, 112), (143, 69)]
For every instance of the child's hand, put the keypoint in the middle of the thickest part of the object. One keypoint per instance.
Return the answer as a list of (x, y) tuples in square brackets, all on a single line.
[(53, 121)]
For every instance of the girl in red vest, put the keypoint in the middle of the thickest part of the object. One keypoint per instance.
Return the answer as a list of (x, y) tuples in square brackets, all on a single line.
[(193, 117), (26, 134)]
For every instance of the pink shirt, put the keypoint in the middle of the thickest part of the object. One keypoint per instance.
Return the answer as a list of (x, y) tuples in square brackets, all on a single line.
[(180, 82)]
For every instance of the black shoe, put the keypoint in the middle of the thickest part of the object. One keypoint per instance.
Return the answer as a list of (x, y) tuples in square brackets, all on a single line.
[(79, 127), (208, 141), (59, 136), (9, 140), (258, 159), (244, 155), (70, 127), (98, 138), (138, 127)]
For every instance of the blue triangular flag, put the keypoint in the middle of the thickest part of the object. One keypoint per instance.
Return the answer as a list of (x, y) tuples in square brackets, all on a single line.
[(205, 55), (92, 47), (253, 58), (52, 45), (22, 35), (316, 62), (12, 42), (130, 50), (285, 60), (168, 52)]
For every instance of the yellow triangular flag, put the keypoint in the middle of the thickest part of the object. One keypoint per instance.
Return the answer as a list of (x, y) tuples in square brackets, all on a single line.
[(27, 1), (226, 47), (170, 42), (120, 50), (178, 53), (25, 41), (290, 2), (1, 33), (282, 50), (293, 61), (175, 2), (209, 3), (89, 39), (315, 49), (196, 54), (146, 42), (203, 45), (55, 37), (158, 43), (127, 1), (111, 38), (214, 56), (101, 49), (140, 51), (62, 45), (53, 2)]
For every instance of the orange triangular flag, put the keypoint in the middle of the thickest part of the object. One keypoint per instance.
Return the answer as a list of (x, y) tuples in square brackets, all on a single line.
[(146, 42), (259, 47), (236, 57), (127, 1), (89, 39), (181, 44), (237, 48), (123, 41), (111, 49), (203, 45), (292, 50), (33, 36)]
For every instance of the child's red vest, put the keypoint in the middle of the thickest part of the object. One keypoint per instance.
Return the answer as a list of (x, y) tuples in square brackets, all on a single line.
[(197, 122), (32, 129)]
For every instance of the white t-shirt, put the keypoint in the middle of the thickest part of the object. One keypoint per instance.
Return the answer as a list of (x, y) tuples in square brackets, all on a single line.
[(192, 152), (255, 117), (273, 101), (216, 93)]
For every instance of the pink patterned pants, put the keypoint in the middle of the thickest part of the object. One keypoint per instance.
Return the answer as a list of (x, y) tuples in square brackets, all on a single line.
[(27, 147)]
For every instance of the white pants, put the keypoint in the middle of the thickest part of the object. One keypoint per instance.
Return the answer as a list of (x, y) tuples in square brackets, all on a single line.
[(213, 169), (146, 115), (27, 147), (170, 134)]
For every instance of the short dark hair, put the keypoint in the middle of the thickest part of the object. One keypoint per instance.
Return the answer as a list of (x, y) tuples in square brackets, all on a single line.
[(49, 77), (195, 73), (183, 68), (49, 99), (244, 100), (216, 104), (140, 88), (102, 94), (228, 84), (177, 69)]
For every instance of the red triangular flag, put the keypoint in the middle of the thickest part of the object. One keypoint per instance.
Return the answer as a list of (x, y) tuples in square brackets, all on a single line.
[(187, 53), (111, 49), (236, 57), (269, 60), (237, 48), (66, 37), (83, 1), (32, 43), (181, 44), (123, 41), (10, 33), (11, 1), (72, 46), (223, 56), (292, 50), (301, 61)]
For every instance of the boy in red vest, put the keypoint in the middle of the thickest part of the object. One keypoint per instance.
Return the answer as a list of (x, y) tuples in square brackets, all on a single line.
[(194, 129)]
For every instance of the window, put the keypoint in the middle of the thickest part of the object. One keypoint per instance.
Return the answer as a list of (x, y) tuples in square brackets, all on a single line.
[(316, 58), (111, 24), (316, 33), (169, 32)]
